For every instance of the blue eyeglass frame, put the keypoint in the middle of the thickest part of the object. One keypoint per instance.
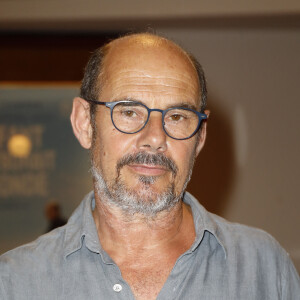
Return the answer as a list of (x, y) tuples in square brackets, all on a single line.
[(111, 106)]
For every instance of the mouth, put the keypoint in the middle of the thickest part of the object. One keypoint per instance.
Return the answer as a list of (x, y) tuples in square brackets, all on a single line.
[(145, 164), (148, 170)]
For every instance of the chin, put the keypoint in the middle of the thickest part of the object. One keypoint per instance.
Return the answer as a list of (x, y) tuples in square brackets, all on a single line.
[(146, 195)]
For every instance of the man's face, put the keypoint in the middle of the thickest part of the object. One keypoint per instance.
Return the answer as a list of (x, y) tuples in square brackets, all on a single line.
[(147, 171)]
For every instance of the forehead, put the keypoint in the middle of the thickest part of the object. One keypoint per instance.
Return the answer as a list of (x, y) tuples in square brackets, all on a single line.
[(150, 68)]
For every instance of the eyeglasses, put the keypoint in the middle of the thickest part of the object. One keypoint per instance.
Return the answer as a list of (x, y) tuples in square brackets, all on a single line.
[(130, 117)]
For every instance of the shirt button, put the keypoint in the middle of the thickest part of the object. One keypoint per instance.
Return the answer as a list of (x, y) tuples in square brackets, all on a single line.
[(117, 288)]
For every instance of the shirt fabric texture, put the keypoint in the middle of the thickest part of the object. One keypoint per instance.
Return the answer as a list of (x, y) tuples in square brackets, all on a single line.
[(226, 261)]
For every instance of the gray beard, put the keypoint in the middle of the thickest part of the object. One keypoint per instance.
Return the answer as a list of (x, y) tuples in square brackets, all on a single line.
[(144, 201)]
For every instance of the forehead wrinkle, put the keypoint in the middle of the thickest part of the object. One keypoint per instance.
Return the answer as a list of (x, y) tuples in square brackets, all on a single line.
[(149, 91), (159, 77), (169, 83), (133, 83), (144, 73), (179, 104), (159, 89), (137, 87)]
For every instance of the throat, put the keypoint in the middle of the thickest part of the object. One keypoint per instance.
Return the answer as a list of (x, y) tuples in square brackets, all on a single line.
[(147, 277)]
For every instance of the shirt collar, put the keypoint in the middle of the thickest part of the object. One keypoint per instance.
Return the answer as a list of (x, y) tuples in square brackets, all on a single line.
[(204, 221), (81, 226)]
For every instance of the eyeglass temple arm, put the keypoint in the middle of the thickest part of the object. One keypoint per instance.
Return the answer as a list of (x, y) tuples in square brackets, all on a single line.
[(95, 101)]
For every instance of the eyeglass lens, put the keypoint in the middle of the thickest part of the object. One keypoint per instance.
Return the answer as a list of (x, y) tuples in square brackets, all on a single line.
[(178, 123)]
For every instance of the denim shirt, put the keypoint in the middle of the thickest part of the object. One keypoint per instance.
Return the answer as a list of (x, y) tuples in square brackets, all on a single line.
[(226, 261)]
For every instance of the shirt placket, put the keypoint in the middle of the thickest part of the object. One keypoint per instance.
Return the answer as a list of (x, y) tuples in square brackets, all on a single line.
[(117, 286)]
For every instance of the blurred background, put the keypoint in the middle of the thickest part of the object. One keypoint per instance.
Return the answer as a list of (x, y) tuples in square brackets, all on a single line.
[(249, 170)]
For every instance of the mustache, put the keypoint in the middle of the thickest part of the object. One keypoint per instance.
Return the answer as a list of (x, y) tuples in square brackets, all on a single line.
[(148, 159)]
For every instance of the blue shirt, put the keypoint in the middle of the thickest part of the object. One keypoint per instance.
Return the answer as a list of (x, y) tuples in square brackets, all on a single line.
[(226, 261)]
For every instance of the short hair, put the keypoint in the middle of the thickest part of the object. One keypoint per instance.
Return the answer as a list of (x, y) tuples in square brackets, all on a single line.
[(91, 84)]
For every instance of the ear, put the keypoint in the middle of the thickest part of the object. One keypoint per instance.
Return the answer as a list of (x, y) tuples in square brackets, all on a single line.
[(80, 120), (202, 137)]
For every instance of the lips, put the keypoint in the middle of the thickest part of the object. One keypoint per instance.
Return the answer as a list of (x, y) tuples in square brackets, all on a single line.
[(149, 164), (148, 170)]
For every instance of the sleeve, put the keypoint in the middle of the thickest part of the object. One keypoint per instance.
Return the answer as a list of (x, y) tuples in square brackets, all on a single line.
[(3, 294), (291, 284)]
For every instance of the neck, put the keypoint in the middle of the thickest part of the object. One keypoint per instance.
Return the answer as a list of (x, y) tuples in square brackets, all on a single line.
[(128, 234)]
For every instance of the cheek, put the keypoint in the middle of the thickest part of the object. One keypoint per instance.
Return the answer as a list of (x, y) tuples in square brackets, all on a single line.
[(118, 144), (113, 145), (183, 155)]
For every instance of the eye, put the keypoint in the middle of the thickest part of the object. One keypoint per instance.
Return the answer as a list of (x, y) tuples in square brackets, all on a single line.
[(128, 113), (176, 117)]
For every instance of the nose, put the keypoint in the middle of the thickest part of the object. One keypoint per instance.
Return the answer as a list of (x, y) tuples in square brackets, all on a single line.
[(152, 137)]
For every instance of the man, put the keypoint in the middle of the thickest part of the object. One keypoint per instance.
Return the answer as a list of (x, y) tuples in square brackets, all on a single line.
[(53, 215), (139, 235)]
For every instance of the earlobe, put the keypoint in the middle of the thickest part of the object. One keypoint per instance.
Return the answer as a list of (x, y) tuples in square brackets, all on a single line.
[(80, 120)]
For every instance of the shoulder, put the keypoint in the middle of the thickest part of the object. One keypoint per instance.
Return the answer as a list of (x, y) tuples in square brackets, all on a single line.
[(33, 255), (49, 248), (257, 253), (255, 249), (245, 246), (233, 236), (33, 269), (250, 240), (39, 267)]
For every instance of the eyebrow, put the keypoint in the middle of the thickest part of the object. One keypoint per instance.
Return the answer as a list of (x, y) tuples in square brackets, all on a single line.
[(178, 105), (183, 105)]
